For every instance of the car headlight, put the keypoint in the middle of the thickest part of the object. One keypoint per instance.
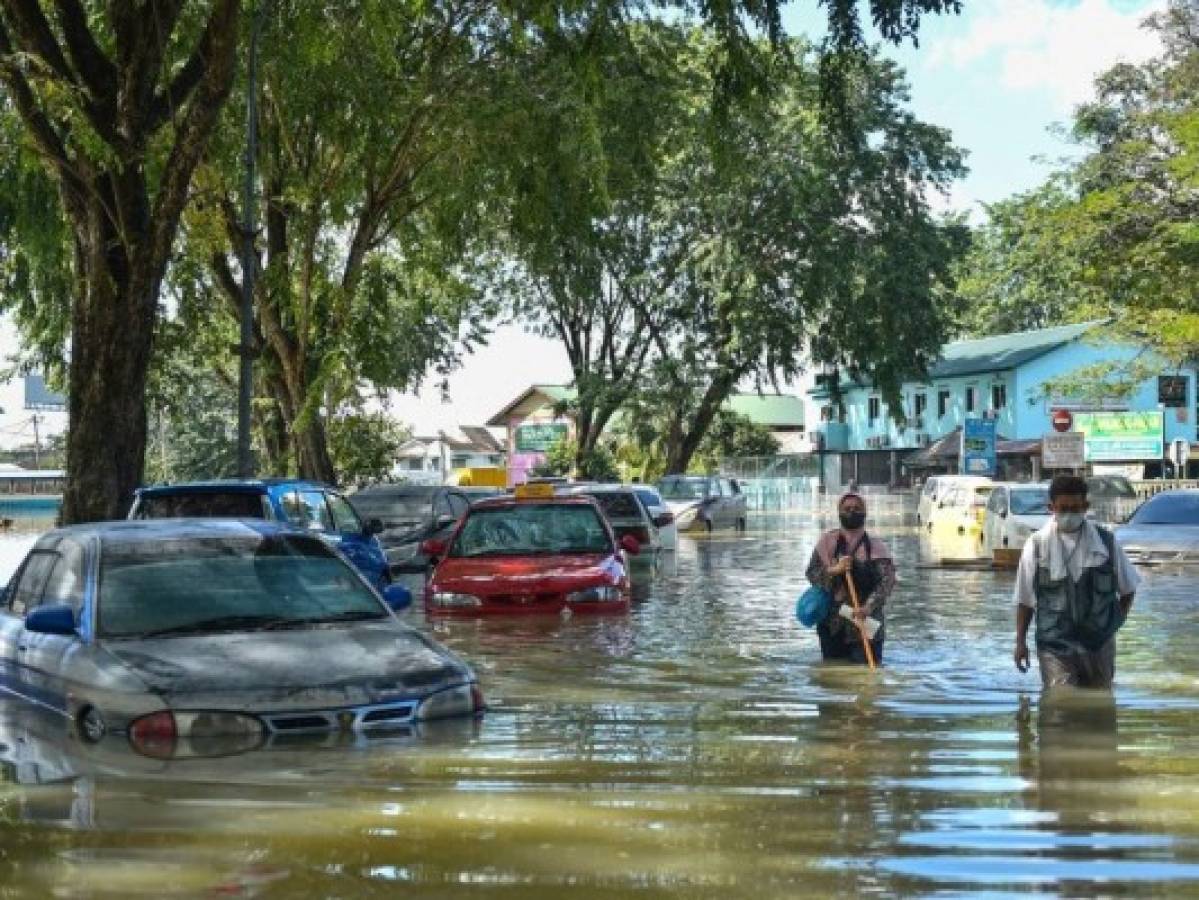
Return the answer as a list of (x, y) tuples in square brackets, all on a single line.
[(463, 700), (603, 594), (167, 734), (451, 600)]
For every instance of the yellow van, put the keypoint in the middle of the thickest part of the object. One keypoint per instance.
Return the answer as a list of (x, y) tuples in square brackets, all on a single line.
[(956, 519)]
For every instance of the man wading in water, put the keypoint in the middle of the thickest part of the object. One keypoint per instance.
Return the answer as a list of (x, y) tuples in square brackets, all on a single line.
[(850, 549), (1079, 585)]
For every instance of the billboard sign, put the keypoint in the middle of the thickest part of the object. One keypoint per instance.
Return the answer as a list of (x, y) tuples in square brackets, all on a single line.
[(1064, 450), (978, 447), (40, 398), (539, 438), (1119, 436)]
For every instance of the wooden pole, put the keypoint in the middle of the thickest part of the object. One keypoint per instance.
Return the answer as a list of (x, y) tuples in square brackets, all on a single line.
[(853, 596)]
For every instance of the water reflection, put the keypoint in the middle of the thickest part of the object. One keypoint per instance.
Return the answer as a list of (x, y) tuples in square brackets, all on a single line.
[(695, 747)]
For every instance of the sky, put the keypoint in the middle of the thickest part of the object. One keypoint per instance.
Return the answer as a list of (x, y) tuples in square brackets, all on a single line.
[(999, 77)]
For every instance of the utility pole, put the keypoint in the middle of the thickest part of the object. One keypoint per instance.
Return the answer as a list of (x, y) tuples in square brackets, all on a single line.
[(37, 444), (245, 459)]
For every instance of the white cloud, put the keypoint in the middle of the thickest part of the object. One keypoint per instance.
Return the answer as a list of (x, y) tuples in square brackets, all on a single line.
[(1056, 49)]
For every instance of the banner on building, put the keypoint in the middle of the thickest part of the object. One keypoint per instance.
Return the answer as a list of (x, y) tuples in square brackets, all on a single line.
[(1063, 450), (978, 447), (539, 438), (1122, 435)]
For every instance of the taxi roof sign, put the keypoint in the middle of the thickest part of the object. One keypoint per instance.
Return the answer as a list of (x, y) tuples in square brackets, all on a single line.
[(534, 492)]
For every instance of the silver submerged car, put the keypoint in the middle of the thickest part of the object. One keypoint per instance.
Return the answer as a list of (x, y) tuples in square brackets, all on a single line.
[(177, 633), (1163, 530)]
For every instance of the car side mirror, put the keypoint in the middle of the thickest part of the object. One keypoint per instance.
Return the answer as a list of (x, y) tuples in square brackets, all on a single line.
[(55, 618), (663, 519), (630, 545), (397, 597), (433, 549), (373, 527)]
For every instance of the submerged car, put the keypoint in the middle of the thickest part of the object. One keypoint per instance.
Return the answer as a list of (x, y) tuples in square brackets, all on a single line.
[(181, 632), (308, 505), (1165, 529), (704, 502), (1014, 511), (412, 514), (532, 553), (628, 516), (668, 531)]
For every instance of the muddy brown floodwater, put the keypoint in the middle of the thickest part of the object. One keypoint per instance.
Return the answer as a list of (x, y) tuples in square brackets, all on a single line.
[(692, 748)]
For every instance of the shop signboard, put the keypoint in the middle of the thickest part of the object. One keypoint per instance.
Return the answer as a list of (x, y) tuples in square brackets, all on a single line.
[(978, 447), (1063, 450), (539, 437), (1122, 436)]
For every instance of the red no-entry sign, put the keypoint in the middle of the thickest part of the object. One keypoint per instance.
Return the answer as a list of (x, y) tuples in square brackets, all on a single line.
[(1062, 420)]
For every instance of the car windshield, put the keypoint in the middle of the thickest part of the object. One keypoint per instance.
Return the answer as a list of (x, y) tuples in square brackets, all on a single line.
[(532, 529), (1108, 486), (683, 488), (1030, 502), (158, 587), (1168, 509), (201, 504), (394, 510), (617, 504)]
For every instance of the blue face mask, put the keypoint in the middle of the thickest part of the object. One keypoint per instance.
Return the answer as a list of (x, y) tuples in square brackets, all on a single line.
[(1070, 522)]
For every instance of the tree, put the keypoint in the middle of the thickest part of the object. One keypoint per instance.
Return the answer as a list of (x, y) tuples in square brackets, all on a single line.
[(364, 445), (804, 240), (118, 102)]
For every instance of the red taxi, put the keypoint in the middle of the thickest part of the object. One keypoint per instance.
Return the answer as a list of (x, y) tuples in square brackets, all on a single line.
[(532, 553)]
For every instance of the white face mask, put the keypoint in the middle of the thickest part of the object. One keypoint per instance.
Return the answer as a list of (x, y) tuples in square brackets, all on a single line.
[(1070, 522)]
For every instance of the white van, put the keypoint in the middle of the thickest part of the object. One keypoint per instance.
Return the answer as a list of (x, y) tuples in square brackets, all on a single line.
[(934, 498)]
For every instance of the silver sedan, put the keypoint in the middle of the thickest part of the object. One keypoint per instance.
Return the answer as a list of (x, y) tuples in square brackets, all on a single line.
[(180, 633), (1164, 530)]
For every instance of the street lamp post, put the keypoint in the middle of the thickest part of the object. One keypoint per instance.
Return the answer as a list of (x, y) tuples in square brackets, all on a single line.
[(245, 458)]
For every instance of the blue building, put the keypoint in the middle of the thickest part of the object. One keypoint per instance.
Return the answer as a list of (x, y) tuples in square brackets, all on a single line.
[(1001, 378)]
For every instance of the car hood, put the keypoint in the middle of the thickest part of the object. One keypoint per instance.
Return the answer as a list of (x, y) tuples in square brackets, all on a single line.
[(503, 575), (384, 657), (1177, 538), (681, 506)]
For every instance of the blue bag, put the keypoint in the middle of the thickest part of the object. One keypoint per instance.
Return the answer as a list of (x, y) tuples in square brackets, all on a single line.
[(812, 606)]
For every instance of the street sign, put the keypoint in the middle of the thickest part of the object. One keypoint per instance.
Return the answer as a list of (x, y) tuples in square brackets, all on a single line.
[(1063, 450), (539, 437), (978, 447), (1063, 421), (1122, 436), (1180, 452)]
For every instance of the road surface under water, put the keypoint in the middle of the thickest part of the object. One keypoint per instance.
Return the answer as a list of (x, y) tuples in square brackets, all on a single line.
[(695, 747)]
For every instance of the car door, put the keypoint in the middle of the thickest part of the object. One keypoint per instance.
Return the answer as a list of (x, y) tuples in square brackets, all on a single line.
[(995, 522), (714, 503), (736, 500), (48, 657), (350, 535), (22, 597)]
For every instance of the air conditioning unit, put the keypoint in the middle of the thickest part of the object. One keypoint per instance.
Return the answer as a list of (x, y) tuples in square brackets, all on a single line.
[(871, 442)]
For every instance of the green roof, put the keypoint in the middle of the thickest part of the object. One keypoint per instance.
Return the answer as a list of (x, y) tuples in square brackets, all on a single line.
[(772, 410), (998, 353)]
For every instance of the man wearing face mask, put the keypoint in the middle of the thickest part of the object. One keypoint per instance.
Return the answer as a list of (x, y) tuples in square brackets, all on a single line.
[(1075, 580), (849, 549)]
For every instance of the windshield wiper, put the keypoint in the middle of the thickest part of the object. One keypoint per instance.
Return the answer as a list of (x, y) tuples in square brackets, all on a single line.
[(224, 623), (349, 615)]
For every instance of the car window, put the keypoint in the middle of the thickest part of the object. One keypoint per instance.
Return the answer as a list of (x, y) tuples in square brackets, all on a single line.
[(682, 488), (650, 498), (954, 496), (1030, 501), (532, 529), (459, 504), (395, 509), (65, 584), (233, 583), (344, 517), (618, 504), (998, 502), (714, 488), (1168, 509), (202, 504), (729, 487), (31, 583), (307, 510), (930, 489)]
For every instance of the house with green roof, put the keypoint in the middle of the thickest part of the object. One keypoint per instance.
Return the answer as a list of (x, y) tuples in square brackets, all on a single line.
[(538, 417), (1002, 378)]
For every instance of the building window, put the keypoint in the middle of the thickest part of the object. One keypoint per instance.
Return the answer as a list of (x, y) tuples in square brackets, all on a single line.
[(998, 396), (942, 404), (1172, 391), (970, 399), (460, 462), (826, 413), (872, 410), (919, 404), (414, 465)]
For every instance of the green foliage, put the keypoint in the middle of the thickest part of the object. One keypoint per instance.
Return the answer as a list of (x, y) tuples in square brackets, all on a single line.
[(192, 423), (364, 446), (563, 459)]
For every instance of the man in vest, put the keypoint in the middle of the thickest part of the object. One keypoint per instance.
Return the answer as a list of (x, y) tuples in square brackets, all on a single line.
[(1078, 584)]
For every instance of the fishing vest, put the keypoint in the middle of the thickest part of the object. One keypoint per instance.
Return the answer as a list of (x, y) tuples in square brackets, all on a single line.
[(1075, 616)]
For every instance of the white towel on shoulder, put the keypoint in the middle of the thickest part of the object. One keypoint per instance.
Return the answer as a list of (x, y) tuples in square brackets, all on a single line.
[(1060, 551)]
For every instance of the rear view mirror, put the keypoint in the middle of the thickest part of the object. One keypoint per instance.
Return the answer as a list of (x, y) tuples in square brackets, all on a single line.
[(630, 545), (56, 618), (397, 597), (433, 549)]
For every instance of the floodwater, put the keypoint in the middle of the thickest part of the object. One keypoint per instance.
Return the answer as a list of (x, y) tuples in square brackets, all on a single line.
[(695, 747)]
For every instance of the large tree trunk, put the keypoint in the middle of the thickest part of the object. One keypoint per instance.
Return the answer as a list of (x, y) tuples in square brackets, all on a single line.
[(686, 434)]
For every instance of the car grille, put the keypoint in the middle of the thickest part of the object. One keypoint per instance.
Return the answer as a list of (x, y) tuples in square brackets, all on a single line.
[(357, 718), (522, 599)]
